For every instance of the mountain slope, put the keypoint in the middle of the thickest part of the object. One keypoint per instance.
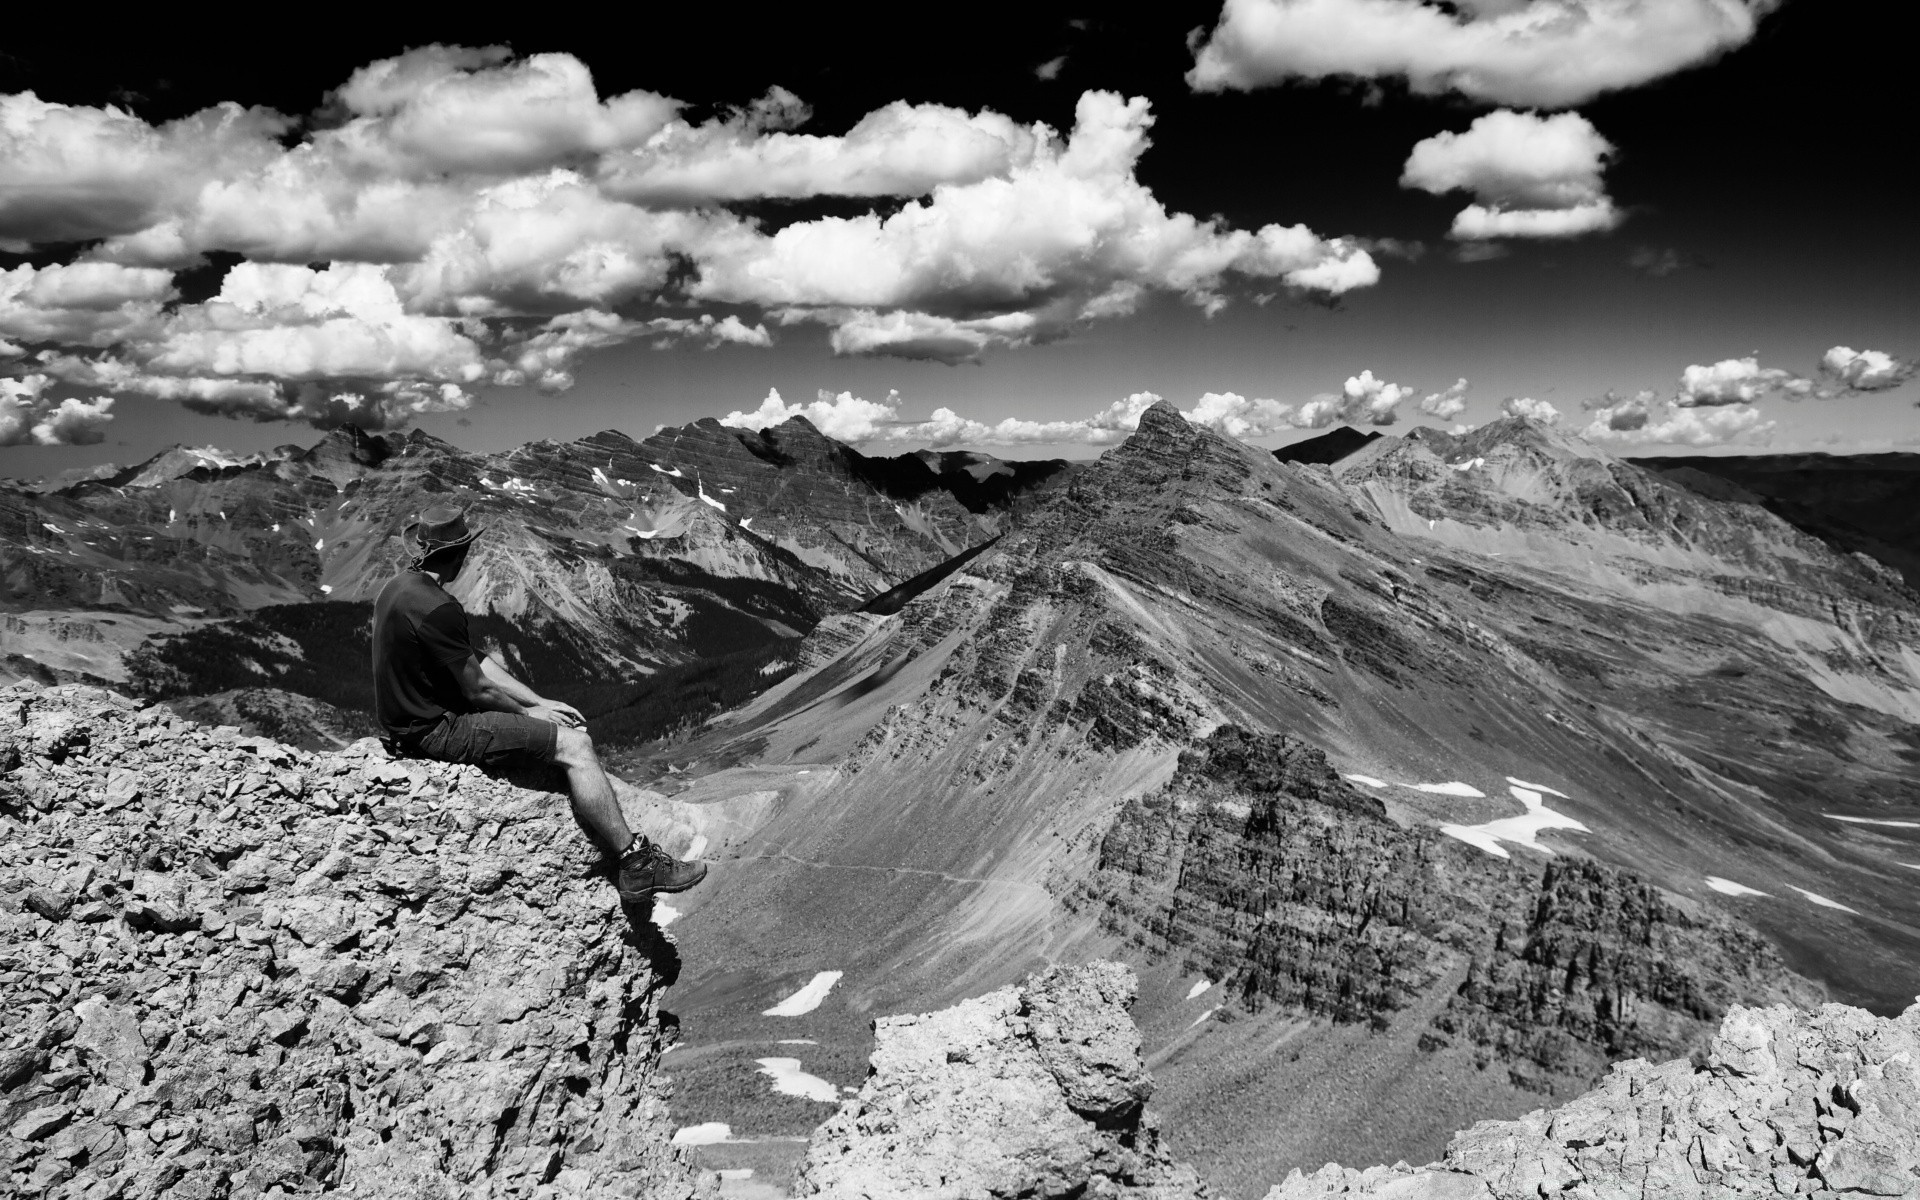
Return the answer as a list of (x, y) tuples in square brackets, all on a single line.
[(942, 783)]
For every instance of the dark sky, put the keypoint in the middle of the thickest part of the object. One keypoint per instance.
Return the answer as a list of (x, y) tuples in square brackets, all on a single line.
[(1771, 185)]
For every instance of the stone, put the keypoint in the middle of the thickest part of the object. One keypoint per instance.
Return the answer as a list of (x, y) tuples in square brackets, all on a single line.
[(110, 1043), (965, 1102)]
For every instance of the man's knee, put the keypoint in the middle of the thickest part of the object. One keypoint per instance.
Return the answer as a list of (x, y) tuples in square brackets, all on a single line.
[(573, 748)]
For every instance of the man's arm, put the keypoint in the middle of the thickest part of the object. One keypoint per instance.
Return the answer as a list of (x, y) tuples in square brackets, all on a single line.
[(487, 684)]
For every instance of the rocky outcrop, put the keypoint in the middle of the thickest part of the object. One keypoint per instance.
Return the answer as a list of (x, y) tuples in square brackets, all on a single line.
[(230, 968), (1786, 1102), (1030, 1091), (1262, 868)]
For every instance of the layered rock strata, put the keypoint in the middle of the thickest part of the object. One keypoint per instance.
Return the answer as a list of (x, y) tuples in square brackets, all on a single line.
[(1788, 1102), (1262, 868), (1030, 1091), (231, 968)]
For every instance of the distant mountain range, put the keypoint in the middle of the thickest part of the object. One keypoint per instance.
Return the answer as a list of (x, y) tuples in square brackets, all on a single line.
[(1418, 775)]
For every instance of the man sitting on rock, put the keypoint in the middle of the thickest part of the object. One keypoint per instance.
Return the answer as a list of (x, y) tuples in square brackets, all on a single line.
[(438, 697)]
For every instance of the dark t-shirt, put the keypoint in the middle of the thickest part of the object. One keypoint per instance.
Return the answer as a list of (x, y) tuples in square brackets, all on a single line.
[(419, 639)]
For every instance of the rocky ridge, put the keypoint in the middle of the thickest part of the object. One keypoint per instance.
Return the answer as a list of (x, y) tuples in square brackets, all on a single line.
[(1266, 871), (231, 968), (1030, 1091), (1822, 1103)]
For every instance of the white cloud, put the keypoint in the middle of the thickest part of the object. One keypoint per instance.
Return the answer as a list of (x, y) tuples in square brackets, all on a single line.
[(1373, 400), (455, 109), (30, 416), (1236, 416), (1551, 53), (844, 417), (1533, 410), (1644, 419), (1737, 381), (89, 304), (1448, 404), (70, 173), (1532, 176), (899, 150), (1866, 370), (1071, 235), (488, 216), (1479, 221)]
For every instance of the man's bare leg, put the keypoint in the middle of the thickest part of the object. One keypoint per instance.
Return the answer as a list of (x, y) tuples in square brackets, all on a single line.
[(594, 804)]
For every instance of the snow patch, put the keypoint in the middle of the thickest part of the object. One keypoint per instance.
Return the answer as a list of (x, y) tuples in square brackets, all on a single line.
[(1823, 902), (1537, 787), (1199, 989), (1449, 789), (790, 1080), (1727, 887), (697, 845), (327, 588), (706, 499), (1365, 780), (709, 1133), (675, 472), (664, 914), (796, 1042), (320, 544), (1205, 1016), (807, 998), (1872, 821), (746, 523), (1469, 465), (1522, 830)]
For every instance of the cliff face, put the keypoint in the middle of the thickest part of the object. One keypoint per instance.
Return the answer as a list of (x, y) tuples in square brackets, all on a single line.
[(1266, 871), (229, 967), (1030, 1091), (1786, 1102)]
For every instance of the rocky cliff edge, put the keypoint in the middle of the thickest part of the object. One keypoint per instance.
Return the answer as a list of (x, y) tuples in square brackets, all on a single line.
[(230, 968)]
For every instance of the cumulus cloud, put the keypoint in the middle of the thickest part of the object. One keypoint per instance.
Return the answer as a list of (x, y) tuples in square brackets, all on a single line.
[(29, 415), (1533, 410), (1646, 419), (899, 150), (1372, 400), (459, 109), (1548, 53), (1532, 176), (490, 219), (1446, 404), (1866, 370), (1737, 381), (87, 304), (1069, 236)]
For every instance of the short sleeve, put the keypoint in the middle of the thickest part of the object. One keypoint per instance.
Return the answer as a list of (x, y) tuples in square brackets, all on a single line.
[(444, 635)]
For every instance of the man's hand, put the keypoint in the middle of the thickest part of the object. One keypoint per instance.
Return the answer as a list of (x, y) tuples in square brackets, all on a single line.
[(558, 713)]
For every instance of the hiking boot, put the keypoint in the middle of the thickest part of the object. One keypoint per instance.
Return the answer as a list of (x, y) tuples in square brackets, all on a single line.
[(646, 869)]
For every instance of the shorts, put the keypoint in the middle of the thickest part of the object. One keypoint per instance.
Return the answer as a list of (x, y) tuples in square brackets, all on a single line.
[(490, 739)]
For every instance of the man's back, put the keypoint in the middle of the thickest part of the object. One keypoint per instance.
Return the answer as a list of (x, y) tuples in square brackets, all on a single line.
[(419, 638)]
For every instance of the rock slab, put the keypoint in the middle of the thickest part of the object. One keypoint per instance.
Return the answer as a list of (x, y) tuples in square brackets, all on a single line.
[(1033, 1091)]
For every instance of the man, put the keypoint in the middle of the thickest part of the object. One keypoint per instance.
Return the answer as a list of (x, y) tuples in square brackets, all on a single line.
[(440, 698)]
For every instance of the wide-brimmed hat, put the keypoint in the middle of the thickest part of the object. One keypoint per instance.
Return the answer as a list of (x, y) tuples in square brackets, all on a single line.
[(441, 527)]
